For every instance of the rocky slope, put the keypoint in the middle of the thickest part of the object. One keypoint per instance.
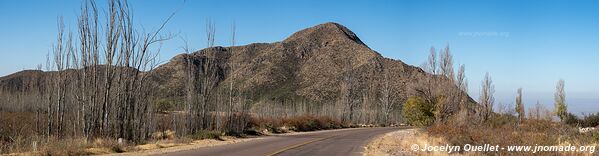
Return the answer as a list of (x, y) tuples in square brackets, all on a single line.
[(309, 65)]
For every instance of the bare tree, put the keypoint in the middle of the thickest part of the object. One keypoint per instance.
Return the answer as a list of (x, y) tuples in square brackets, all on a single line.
[(487, 99), (208, 74), (107, 97), (348, 91), (446, 64), (461, 80), (520, 106), (431, 64), (535, 112), (443, 88), (386, 102), (231, 109), (202, 77), (540, 112), (189, 93), (427, 88)]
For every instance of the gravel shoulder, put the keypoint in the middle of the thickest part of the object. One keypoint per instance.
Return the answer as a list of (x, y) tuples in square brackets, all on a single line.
[(399, 143)]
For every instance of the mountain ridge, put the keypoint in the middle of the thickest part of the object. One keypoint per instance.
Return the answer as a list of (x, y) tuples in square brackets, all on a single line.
[(310, 65), (304, 62)]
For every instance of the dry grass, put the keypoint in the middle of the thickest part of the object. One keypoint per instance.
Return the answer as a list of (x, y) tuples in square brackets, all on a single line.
[(76, 146), (500, 130), (18, 135), (17, 131), (400, 142), (165, 146), (529, 133)]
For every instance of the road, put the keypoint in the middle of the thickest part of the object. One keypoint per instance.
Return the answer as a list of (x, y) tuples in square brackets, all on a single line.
[(326, 143)]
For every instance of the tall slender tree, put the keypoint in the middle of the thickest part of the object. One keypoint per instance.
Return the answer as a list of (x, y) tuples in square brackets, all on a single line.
[(486, 98), (561, 108), (520, 106)]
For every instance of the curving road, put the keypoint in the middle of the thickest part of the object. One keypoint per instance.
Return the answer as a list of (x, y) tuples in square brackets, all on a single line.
[(327, 143)]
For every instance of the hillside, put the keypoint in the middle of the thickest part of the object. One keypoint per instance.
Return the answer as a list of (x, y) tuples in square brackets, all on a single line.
[(309, 66)]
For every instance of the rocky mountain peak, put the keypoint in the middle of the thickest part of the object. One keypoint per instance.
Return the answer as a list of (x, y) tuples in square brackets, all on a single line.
[(325, 34)]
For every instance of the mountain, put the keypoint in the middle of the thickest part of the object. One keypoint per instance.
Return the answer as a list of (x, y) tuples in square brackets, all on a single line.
[(310, 65)]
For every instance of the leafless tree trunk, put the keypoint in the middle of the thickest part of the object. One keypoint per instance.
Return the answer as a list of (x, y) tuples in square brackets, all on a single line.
[(487, 99), (106, 96), (431, 65), (520, 106), (446, 64), (347, 92), (387, 104)]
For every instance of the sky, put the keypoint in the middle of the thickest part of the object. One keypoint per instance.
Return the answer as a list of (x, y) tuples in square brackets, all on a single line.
[(529, 44)]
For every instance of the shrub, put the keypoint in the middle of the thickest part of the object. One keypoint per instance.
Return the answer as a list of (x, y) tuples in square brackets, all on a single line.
[(311, 123), (164, 105), (498, 120), (570, 119), (595, 137), (591, 120), (417, 112), (295, 123), (206, 134)]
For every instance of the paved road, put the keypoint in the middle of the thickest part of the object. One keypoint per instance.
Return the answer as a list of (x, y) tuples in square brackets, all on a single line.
[(326, 143)]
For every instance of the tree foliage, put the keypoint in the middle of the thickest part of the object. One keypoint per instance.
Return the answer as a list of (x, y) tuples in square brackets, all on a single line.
[(417, 112), (561, 108)]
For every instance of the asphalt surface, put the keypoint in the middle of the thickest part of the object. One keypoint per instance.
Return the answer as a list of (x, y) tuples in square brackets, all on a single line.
[(323, 143)]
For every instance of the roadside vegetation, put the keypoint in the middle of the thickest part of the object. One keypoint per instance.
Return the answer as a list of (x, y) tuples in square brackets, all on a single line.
[(509, 125), (18, 135)]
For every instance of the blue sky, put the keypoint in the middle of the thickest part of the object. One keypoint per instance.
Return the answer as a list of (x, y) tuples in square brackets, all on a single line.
[(529, 44)]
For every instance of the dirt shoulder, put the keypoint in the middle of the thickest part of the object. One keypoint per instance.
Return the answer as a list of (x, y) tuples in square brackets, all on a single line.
[(400, 143), (166, 147)]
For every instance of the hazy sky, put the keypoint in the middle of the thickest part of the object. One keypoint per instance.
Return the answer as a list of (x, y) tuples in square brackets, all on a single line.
[(529, 44)]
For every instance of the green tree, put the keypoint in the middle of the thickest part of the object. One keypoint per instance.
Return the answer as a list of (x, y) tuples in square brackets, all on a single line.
[(417, 112), (561, 108)]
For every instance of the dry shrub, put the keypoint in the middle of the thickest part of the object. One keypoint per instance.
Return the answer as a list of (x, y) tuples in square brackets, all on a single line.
[(81, 146), (18, 131), (295, 123), (504, 131), (168, 134), (111, 144), (235, 124), (206, 134), (311, 123), (66, 146)]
